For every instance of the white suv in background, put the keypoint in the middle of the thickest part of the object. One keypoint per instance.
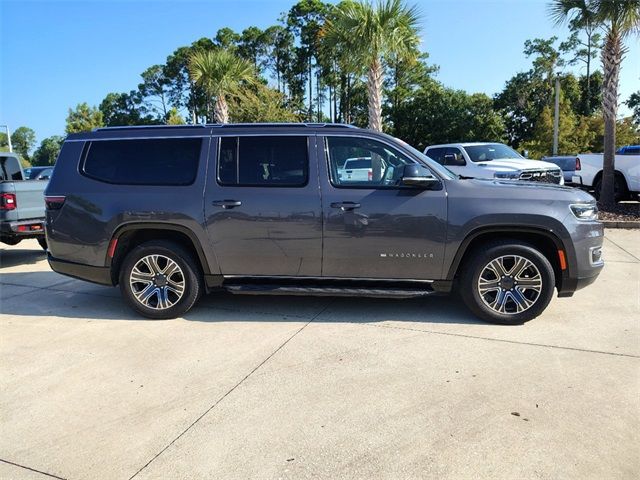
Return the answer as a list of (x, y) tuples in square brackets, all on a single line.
[(493, 160)]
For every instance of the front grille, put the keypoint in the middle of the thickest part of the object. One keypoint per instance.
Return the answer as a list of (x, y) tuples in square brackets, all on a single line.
[(543, 176)]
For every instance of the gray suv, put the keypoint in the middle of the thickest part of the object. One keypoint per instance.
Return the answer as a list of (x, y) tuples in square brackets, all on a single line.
[(169, 213)]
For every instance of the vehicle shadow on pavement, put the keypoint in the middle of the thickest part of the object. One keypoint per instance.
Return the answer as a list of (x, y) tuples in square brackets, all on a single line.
[(15, 257), (61, 296)]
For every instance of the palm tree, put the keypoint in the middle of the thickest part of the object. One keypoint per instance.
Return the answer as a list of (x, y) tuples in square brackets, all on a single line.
[(618, 18), (220, 73), (370, 34)]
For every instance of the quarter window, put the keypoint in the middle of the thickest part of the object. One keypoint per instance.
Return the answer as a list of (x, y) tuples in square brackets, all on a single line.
[(362, 162), (279, 161), (162, 161)]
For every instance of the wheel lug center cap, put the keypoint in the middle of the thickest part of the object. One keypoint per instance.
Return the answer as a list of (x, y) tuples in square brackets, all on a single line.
[(160, 280), (507, 283)]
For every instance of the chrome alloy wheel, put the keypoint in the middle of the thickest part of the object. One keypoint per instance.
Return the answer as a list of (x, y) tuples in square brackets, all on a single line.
[(157, 282), (510, 284)]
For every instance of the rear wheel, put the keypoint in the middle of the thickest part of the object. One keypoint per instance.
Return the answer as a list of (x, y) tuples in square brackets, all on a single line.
[(620, 191), (507, 283), (160, 280)]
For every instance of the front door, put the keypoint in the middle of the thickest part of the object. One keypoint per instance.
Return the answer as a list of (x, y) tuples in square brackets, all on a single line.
[(262, 205), (374, 227)]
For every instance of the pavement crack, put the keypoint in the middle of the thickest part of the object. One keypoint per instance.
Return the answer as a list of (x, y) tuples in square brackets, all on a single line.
[(623, 249), (503, 340), (31, 469), (231, 390)]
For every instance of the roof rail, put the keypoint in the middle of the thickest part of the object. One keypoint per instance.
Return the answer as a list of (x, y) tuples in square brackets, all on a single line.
[(227, 125), (142, 127), (283, 124)]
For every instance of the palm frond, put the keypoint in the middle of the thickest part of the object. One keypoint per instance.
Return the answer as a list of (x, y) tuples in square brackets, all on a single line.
[(620, 16), (220, 71)]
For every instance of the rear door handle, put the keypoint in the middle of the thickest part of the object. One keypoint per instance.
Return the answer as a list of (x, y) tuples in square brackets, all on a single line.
[(226, 203), (344, 206)]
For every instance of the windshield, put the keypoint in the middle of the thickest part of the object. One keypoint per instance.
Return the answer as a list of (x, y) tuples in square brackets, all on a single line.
[(493, 151), (444, 171)]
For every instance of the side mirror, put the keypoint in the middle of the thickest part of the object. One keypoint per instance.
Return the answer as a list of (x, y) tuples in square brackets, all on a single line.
[(418, 176)]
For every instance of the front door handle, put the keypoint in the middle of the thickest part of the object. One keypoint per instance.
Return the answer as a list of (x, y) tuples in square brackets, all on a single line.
[(345, 206), (226, 203)]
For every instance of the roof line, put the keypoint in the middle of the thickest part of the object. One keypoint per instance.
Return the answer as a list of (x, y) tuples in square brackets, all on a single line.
[(226, 125)]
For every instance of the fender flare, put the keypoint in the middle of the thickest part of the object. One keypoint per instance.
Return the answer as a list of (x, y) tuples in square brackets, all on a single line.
[(471, 236), (134, 226)]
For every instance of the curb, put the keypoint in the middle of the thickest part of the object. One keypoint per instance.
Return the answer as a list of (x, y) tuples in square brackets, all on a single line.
[(624, 225)]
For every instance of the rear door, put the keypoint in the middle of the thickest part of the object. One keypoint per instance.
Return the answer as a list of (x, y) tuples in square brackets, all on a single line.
[(375, 228), (262, 205)]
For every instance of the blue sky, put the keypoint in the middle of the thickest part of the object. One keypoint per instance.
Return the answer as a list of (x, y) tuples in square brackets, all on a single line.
[(56, 54)]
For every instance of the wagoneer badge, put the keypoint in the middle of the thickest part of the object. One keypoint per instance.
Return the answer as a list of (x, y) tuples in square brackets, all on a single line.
[(406, 255)]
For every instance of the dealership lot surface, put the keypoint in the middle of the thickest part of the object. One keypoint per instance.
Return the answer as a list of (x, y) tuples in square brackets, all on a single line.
[(290, 387)]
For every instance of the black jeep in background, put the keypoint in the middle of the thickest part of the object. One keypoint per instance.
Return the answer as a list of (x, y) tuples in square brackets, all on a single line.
[(169, 213)]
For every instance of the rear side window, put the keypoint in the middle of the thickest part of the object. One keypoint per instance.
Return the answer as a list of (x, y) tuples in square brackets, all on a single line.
[(278, 161), (10, 168), (162, 161), (436, 154)]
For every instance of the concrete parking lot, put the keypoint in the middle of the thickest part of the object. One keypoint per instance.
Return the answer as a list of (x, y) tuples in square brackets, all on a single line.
[(290, 387)]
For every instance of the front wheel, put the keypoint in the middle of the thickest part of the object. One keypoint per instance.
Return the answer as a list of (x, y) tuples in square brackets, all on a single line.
[(507, 283), (160, 280)]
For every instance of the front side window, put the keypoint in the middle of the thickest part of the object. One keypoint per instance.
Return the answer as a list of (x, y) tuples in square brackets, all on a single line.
[(362, 162), (279, 161), (162, 161)]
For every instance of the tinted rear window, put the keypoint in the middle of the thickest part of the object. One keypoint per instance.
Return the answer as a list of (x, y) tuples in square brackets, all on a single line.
[(436, 154), (10, 168), (357, 164), (163, 161), (279, 161)]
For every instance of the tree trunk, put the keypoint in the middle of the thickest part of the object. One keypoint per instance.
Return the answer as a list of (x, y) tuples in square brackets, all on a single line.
[(612, 55), (335, 100), (310, 92), (221, 110), (343, 98), (587, 110), (374, 87)]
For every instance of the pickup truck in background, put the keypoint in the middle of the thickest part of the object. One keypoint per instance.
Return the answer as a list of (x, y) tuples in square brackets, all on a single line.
[(21, 203), (568, 165), (358, 169), (588, 172), (493, 160)]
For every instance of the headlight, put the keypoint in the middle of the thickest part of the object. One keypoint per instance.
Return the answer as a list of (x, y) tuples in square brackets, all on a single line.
[(506, 175), (584, 211)]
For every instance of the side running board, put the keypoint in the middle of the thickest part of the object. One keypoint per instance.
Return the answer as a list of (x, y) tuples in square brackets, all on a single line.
[(327, 291)]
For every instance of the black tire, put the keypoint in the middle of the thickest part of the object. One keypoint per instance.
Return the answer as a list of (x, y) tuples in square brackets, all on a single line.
[(188, 272), (43, 243), (620, 191), (476, 265)]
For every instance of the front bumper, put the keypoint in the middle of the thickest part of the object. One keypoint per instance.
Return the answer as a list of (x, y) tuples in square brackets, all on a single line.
[(587, 262), (90, 273)]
